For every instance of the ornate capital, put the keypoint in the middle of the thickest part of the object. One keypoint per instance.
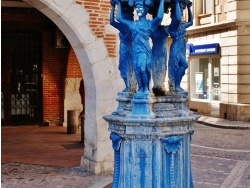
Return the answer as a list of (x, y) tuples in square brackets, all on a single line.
[(116, 141), (172, 144)]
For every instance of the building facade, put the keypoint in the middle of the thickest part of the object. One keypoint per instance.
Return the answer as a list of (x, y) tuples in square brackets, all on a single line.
[(218, 52), (47, 80)]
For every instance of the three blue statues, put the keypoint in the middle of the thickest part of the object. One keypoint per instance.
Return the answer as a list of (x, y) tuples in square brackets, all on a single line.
[(151, 134), (138, 61)]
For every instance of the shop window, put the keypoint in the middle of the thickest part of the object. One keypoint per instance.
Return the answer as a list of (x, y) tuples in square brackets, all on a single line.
[(205, 79), (199, 79)]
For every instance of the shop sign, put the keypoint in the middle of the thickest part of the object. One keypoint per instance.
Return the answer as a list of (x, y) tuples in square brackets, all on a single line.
[(202, 49)]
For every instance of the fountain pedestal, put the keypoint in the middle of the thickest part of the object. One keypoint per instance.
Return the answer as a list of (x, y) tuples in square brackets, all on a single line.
[(151, 141)]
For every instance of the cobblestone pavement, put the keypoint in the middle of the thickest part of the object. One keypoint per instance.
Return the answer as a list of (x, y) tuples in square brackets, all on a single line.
[(220, 159), (36, 176)]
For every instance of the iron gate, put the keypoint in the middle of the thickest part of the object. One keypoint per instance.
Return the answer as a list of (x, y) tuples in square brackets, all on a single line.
[(21, 80)]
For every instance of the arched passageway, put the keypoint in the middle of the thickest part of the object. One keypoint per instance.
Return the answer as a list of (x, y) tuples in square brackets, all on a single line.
[(98, 69)]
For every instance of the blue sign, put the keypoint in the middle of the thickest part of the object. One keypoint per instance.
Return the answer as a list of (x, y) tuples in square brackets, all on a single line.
[(202, 49)]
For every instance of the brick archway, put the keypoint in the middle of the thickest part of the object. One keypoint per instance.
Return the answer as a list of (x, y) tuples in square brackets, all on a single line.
[(72, 19)]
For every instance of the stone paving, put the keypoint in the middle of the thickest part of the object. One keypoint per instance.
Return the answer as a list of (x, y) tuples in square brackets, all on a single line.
[(29, 176), (213, 172), (222, 143), (208, 172), (220, 159)]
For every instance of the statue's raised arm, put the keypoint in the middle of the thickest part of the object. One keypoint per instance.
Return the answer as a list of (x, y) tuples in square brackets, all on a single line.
[(119, 15), (112, 16), (125, 50), (159, 16), (177, 30), (190, 16), (177, 12)]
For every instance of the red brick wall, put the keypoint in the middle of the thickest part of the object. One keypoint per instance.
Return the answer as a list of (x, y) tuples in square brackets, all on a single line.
[(73, 66), (99, 17), (53, 79), (58, 64)]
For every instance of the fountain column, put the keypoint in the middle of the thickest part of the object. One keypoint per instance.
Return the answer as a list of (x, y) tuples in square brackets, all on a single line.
[(152, 143)]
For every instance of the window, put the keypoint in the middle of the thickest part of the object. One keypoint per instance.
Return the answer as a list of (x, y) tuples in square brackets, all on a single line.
[(207, 6), (205, 12), (199, 79), (205, 79)]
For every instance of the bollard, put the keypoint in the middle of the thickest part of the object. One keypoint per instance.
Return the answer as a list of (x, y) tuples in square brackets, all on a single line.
[(72, 121)]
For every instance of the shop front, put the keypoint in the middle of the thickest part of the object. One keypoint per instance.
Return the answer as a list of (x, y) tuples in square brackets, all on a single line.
[(205, 77)]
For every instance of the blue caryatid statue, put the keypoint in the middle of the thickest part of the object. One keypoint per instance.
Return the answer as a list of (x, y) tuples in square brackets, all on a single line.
[(177, 30), (159, 56), (141, 30), (125, 51), (159, 59)]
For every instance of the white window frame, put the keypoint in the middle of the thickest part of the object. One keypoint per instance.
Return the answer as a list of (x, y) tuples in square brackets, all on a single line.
[(208, 6)]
